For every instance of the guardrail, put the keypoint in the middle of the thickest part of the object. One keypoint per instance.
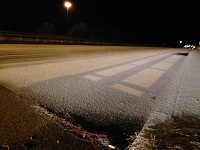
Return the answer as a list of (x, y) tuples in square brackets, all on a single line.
[(18, 37)]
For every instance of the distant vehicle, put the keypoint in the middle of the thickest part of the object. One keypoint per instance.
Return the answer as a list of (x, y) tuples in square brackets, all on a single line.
[(190, 46)]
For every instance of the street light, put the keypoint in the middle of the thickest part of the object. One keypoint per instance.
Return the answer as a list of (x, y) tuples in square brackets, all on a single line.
[(68, 5)]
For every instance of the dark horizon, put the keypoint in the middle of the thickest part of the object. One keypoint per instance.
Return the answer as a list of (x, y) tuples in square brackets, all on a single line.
[(141, 20)]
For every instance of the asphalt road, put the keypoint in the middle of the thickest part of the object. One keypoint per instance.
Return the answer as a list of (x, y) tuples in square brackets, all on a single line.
[(107, 86)]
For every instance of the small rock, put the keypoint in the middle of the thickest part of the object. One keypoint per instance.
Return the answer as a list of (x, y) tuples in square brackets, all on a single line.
[(32, 137), (154, 97)]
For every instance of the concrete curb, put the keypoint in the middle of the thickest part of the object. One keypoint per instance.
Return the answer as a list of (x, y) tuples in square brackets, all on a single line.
[(182, 97)]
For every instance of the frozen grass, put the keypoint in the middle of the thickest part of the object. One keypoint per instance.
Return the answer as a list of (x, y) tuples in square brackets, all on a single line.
[(175, 134)]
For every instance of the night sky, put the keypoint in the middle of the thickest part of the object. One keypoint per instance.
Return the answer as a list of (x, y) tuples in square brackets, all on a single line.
[(138, 20)]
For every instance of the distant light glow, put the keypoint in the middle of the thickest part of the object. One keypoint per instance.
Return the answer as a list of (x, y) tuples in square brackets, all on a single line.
[(190, 46), (68, 4), (186, 46), (181, 42)]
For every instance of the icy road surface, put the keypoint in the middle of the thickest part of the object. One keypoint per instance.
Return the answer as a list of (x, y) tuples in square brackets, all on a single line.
[(107, 85)]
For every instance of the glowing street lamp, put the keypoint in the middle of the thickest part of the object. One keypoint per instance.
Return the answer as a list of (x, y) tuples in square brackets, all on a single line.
[(68, 5)]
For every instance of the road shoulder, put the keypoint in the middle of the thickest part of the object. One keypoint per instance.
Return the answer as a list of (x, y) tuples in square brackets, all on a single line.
[(26, 126)]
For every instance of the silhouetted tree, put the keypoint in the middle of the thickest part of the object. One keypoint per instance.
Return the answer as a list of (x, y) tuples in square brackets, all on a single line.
[(46, 28), (79, 30), (117, 33), (102, 32)]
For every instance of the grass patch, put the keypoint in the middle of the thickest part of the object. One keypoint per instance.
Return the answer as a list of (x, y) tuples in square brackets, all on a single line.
[(179, 133)]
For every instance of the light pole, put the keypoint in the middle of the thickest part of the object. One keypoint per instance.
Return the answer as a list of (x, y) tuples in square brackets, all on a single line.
[(68, 5)]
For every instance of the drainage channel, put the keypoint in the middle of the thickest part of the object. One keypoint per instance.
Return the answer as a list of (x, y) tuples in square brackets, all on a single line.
[(118, 135), (111, 136)]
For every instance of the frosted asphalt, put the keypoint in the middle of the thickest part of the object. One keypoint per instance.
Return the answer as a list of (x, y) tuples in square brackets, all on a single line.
[(120, 87)]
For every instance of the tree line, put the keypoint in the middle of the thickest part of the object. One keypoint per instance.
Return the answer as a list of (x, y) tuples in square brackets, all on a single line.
[(81, 30)]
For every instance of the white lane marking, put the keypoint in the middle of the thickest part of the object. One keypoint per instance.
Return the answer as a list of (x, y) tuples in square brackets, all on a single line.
[(115, 70), (128, 90), (92, 77), (145, 78), (162, 65)]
